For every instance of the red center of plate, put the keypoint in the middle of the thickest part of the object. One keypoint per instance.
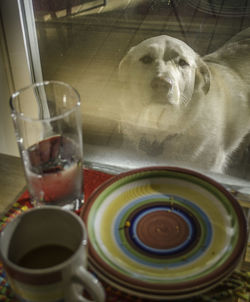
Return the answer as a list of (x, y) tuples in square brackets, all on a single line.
[(162, 230)]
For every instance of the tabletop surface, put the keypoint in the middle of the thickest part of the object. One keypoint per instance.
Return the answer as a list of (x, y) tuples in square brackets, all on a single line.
[(13, 183), (12, 180)]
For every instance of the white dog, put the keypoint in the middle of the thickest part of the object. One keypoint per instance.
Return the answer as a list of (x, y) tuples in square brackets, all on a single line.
[(186, 107)]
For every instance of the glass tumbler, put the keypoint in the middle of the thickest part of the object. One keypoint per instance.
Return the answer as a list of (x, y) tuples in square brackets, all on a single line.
[(47, 122)]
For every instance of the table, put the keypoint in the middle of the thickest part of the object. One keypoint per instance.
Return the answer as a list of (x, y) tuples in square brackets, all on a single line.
[(12, 180), (15, 199)]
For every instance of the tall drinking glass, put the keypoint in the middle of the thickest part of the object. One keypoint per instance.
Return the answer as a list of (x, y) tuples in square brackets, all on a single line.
[(47, 123)]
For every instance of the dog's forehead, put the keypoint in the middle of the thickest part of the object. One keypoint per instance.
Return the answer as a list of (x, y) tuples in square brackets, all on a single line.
[(162, 46)]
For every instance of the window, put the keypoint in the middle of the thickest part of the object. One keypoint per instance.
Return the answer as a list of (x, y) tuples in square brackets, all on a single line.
[(160, 104)]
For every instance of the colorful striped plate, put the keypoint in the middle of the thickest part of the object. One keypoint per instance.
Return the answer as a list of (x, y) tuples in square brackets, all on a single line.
[(163, 232)]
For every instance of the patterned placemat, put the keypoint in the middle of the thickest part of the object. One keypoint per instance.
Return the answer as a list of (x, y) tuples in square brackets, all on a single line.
[(237, 286)]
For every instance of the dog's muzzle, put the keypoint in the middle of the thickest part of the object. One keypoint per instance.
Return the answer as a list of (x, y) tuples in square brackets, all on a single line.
[(161, 84)]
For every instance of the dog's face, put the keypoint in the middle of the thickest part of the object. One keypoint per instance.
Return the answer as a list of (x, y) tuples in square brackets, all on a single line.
[(163, 72)]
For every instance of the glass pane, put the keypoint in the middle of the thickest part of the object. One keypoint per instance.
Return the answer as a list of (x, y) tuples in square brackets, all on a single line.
[(166, 103)]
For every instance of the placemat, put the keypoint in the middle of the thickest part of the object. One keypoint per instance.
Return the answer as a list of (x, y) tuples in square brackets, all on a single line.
[(237, 286)]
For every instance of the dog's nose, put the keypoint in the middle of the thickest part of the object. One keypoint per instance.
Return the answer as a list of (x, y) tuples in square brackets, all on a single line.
[(161, 83)]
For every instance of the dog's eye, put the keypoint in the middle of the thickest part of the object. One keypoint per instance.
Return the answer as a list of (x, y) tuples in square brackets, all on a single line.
[(146, 59), (183, 63)]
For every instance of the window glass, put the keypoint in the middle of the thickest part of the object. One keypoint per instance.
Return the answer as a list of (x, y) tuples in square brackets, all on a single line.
[(165, 101)]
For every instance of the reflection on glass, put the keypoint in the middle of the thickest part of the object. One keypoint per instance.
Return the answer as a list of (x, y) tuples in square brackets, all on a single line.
[(137, 106)]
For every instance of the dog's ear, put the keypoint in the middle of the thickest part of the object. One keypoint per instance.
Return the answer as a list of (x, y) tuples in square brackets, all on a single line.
[(202, 76), (123, 68)]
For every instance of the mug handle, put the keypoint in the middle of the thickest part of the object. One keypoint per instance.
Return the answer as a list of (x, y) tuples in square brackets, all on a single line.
[(85, 280)]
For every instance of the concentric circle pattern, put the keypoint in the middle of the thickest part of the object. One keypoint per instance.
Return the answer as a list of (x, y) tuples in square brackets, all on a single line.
[(162, 226), (161, 231)]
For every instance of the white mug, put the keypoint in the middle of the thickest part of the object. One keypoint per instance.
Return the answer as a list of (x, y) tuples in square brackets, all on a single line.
[(44, 254)]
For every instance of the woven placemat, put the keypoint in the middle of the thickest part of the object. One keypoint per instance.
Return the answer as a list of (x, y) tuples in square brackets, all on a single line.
[(236, 286)]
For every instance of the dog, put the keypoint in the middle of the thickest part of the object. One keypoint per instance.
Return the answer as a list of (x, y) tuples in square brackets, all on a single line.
[(183, 107)]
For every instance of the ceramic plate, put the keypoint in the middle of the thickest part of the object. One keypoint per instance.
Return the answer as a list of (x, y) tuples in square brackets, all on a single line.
[(164, 232)]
